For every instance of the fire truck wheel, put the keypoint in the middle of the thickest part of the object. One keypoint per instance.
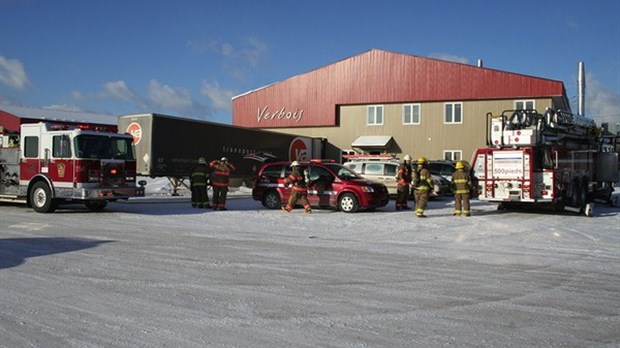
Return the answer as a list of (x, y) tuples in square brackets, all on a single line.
[(96, 205), (348, 203), (41, 198)]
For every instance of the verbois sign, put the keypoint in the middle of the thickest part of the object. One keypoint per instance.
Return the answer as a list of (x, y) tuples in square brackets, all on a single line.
[(262, 115)]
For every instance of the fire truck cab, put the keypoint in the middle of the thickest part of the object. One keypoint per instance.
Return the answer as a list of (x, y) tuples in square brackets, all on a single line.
[(47, 164), (555, 158)]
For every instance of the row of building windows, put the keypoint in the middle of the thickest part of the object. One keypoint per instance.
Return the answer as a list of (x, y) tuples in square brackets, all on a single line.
[(453, 113)]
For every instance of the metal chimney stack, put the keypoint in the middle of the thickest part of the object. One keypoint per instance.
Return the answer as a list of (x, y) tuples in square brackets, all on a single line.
[(581, 82)]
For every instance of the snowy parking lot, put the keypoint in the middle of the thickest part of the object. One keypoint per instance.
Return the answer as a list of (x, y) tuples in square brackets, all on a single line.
[(158, 273)]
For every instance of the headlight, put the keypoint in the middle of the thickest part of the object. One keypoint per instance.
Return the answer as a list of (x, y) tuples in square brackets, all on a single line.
[(368, 189)]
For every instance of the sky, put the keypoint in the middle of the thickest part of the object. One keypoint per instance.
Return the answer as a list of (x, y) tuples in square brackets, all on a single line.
[(189, 58)]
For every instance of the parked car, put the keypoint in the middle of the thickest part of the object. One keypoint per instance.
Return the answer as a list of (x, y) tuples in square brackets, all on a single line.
[(443, 168), (331, 185), (384, 171), (446, 168)]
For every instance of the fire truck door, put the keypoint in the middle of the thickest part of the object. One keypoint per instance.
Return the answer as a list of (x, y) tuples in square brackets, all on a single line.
[(60, 165), (29, 164)]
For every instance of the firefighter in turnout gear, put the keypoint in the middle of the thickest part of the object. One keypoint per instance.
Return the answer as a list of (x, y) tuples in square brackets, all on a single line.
[(221, 175), (403, 181), (461, 184), (297, 179), (424, 187), (198, 180)]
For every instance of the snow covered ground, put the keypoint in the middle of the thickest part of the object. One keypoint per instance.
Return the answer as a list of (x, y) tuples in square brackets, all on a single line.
[(155, 272)]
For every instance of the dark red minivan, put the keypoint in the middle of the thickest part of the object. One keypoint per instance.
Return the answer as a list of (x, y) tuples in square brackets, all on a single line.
[(331, 185)]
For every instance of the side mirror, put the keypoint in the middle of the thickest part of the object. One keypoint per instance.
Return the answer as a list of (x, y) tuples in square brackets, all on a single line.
[(142, 183)]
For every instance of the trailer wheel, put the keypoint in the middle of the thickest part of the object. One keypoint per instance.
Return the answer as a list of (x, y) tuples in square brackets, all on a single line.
[(575, 200), (41, 198), (583, 195), (348, 203), (272, 200), (96, 205)]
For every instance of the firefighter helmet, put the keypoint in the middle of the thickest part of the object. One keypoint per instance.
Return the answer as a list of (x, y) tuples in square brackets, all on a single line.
[(295, 164), (421, 161), (460, 165), (202, 160), (224, 159), (407, 158)]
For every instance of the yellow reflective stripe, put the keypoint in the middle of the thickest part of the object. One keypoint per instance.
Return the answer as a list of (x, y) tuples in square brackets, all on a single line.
[(460, 181), (461, 191)]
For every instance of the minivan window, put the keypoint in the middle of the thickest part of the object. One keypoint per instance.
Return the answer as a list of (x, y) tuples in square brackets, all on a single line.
[(374, 169), (390, 169), (318, 172), (272, 171)]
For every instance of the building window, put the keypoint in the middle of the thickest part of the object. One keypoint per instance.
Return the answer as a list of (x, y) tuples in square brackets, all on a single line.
[(525, 105), (411, 114), (375, 115), (452, 155), (453, 113)]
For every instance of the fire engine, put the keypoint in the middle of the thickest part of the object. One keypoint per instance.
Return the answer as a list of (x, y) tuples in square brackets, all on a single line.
[(556, 159), (47, 164)]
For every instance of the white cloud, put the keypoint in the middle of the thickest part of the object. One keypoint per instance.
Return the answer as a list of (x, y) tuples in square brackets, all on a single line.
[(12, 74), (449, 57), (168, 97), (602, 104), (250, 52), (64, 107), (119, 90), (220, 98), (253, 51)]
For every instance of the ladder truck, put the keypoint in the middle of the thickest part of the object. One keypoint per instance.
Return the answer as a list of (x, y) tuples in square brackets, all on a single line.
[(555, 159)]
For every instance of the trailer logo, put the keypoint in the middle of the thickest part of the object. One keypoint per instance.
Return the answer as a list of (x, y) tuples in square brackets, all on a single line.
[(136, 132), (300, 150)]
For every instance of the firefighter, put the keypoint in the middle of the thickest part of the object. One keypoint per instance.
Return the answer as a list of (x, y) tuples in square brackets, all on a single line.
[(221, 175), (461, 184), (297, 179), (403, 181), (198, 181), (424, 187)]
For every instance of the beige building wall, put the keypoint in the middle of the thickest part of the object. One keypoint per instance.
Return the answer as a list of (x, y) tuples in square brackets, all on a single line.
[(430, 138)]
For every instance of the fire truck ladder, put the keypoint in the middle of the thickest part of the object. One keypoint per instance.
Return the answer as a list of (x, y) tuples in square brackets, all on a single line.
[(551, 127)]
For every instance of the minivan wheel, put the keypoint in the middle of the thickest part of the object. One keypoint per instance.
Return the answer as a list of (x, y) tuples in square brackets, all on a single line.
[(272, 200), (348, 203)]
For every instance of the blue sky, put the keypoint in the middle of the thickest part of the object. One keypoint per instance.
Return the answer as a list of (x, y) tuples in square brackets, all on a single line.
[(188, 58)]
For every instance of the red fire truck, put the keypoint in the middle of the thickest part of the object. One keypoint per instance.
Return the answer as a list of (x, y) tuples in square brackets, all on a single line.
[(46, 164), (556, 158)]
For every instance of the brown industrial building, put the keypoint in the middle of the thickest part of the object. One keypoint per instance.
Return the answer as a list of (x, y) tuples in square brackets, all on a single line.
[(385, 102)]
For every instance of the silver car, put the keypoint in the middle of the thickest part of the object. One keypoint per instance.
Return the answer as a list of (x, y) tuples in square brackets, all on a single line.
[(384, 171)]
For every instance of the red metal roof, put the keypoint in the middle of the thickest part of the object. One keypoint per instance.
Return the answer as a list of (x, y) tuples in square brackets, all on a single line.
[(11, 122), (377, 76)]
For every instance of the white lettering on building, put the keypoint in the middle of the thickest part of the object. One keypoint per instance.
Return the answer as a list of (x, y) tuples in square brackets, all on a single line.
[(265, 114)]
